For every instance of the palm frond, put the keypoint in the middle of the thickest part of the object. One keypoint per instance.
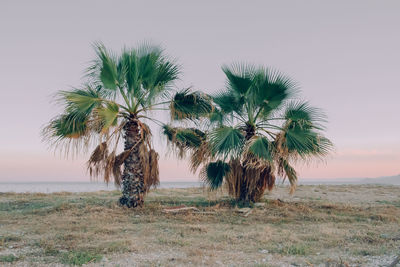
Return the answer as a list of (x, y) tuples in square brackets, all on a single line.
[(183, 139), (214, 172), (228, 102), (307, 143), (107, 115), (225, 141), (286, 170), (190, 105), (260, 147), (71, 125), (304, 115), (80, 100), (97, 161), (106, 65), (270, 89), (239, 77)]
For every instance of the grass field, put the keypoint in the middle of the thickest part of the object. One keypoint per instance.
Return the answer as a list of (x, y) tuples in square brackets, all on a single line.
[(317, 226)]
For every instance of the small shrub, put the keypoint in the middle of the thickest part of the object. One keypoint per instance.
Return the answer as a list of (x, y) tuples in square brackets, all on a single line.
[(8, 258), (294, 250), (79, 257)]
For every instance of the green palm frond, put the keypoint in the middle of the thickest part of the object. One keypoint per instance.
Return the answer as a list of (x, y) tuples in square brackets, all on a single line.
[(108, 115), (169, 132), (156, 70), (214, 172), (184, 138), (304, 116), (306, 143), (270, 89), (239, 77), (167, 71), (225, 141), (190, 105), (78, 100), (71, 125), (190, 137), (128, 67), (217, 116), (106, 65), (228, 102), (261, 147)]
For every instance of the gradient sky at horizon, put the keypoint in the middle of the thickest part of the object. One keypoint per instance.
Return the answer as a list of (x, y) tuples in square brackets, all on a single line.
[(344, 54)]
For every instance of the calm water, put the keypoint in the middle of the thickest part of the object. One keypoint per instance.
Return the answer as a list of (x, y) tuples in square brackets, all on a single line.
[(51, 187)]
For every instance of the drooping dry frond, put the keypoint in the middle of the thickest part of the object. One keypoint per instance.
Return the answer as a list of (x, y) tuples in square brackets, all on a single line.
[(287, 171), (97, 161), (145, 132), (109, 166), (249, 178), (119, 160), (149, 160), (234, 178), (200, 156), (153, 179)]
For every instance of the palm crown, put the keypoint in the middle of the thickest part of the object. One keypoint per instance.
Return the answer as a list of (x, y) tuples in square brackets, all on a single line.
[(255, 130)]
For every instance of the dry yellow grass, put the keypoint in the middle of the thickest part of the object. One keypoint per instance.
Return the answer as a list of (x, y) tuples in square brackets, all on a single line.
[(307, 229)]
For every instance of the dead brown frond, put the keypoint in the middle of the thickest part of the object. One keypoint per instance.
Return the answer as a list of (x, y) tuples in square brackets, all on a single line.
[(174, 143), (149, 160), (154, 175), (248, 179), (287, 171), (234, 178), (200, 156), (97, 161), (109, 166), (145, 132)]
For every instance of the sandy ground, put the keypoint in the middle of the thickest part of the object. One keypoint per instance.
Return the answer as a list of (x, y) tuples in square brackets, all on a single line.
[(323, 225)]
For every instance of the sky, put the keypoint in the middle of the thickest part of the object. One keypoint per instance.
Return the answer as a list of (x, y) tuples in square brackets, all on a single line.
[(344, 54)]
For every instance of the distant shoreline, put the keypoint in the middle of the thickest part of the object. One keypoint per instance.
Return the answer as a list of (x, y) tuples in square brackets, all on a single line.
[(77, 187)]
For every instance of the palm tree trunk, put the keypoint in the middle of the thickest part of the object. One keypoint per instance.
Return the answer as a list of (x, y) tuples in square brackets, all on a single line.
[(132, 177), (254, 182)]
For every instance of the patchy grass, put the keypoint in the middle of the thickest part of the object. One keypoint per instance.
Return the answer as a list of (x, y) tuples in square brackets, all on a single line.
[(307, 228), (8, 258), (79, 257)]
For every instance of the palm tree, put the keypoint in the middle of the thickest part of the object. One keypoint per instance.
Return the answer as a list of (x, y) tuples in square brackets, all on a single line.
[(256, 131), (112, 105)]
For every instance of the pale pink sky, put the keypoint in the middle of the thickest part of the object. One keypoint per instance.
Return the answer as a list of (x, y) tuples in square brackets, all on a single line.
[(344, 54)]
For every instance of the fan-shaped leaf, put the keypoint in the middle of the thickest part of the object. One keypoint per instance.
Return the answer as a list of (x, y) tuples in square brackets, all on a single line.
[(108, 68), (190, 105), (226, 140), (215, 173), (239, 78), (108, 115), (304, 116), (261, 147)]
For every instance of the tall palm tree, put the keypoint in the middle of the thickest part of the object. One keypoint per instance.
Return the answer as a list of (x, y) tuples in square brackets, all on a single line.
[(112, 105), (256, 130)]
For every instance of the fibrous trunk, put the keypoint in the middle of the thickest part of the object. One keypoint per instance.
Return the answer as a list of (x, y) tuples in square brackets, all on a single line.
[(133, 188), (248, 183), (250, 177), (254, 183)]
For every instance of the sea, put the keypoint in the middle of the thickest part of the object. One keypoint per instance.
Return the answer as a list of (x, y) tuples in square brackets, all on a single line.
[(52, 187)]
